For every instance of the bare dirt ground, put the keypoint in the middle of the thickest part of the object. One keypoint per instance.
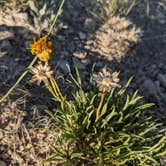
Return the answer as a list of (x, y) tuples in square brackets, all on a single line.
[(147, 65)]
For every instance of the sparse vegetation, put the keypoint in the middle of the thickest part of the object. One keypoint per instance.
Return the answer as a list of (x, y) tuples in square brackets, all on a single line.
[(115, 131), (95, 118), (105, 9)]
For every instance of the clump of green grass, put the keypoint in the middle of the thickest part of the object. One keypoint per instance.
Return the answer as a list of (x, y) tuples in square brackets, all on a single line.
[(104, 128)]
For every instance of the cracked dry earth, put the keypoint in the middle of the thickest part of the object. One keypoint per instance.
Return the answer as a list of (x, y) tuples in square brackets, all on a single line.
[(22, 119)]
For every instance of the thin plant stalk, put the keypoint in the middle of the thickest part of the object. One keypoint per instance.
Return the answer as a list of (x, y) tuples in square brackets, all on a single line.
[(18, 81), (34, 59), (49, 88), (56, 17), (54, 90), (99, 106)]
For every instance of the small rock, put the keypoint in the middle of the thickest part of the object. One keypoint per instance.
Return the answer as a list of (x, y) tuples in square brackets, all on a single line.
[(141, 75), (71, 30), (161, 65), (153, 71), (82, 35), (80, 55), (3, 54), (90, 24), (64, 65), (78, 64), (159, 17), (5, 43), (76, 39), (99, 64), (162, 79), (162, 96), (86, 61), (148, 88)]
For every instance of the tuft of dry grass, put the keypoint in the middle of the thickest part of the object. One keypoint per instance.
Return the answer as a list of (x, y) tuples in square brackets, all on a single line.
[(24, 143), (116, 37)]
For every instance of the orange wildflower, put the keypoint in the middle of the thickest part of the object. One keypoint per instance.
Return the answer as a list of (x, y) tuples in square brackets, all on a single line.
[(41, 49)]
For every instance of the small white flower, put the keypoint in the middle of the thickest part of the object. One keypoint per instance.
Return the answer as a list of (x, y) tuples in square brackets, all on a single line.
[(41, 73), (106, 81)]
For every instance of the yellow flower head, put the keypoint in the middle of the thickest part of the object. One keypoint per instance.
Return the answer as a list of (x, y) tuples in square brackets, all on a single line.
[(41, 49)]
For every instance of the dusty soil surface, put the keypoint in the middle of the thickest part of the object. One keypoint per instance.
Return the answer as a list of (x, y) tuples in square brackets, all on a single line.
[(147, 64)]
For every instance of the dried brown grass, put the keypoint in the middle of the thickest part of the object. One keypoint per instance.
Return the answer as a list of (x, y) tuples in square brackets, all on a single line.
[(24, 142)]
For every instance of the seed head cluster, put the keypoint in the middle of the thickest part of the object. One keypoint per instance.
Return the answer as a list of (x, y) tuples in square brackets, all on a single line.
[(106, 81), (41, 73)]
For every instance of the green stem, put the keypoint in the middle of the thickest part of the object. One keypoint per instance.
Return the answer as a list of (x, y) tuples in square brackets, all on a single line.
[(56, 17), (54, 94), (57, 89), (18, 81), (54, 90), (35, 58), (99, 106)]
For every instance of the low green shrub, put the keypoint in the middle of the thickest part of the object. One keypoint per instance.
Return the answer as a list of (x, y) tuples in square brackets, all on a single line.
[(96, 128)]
